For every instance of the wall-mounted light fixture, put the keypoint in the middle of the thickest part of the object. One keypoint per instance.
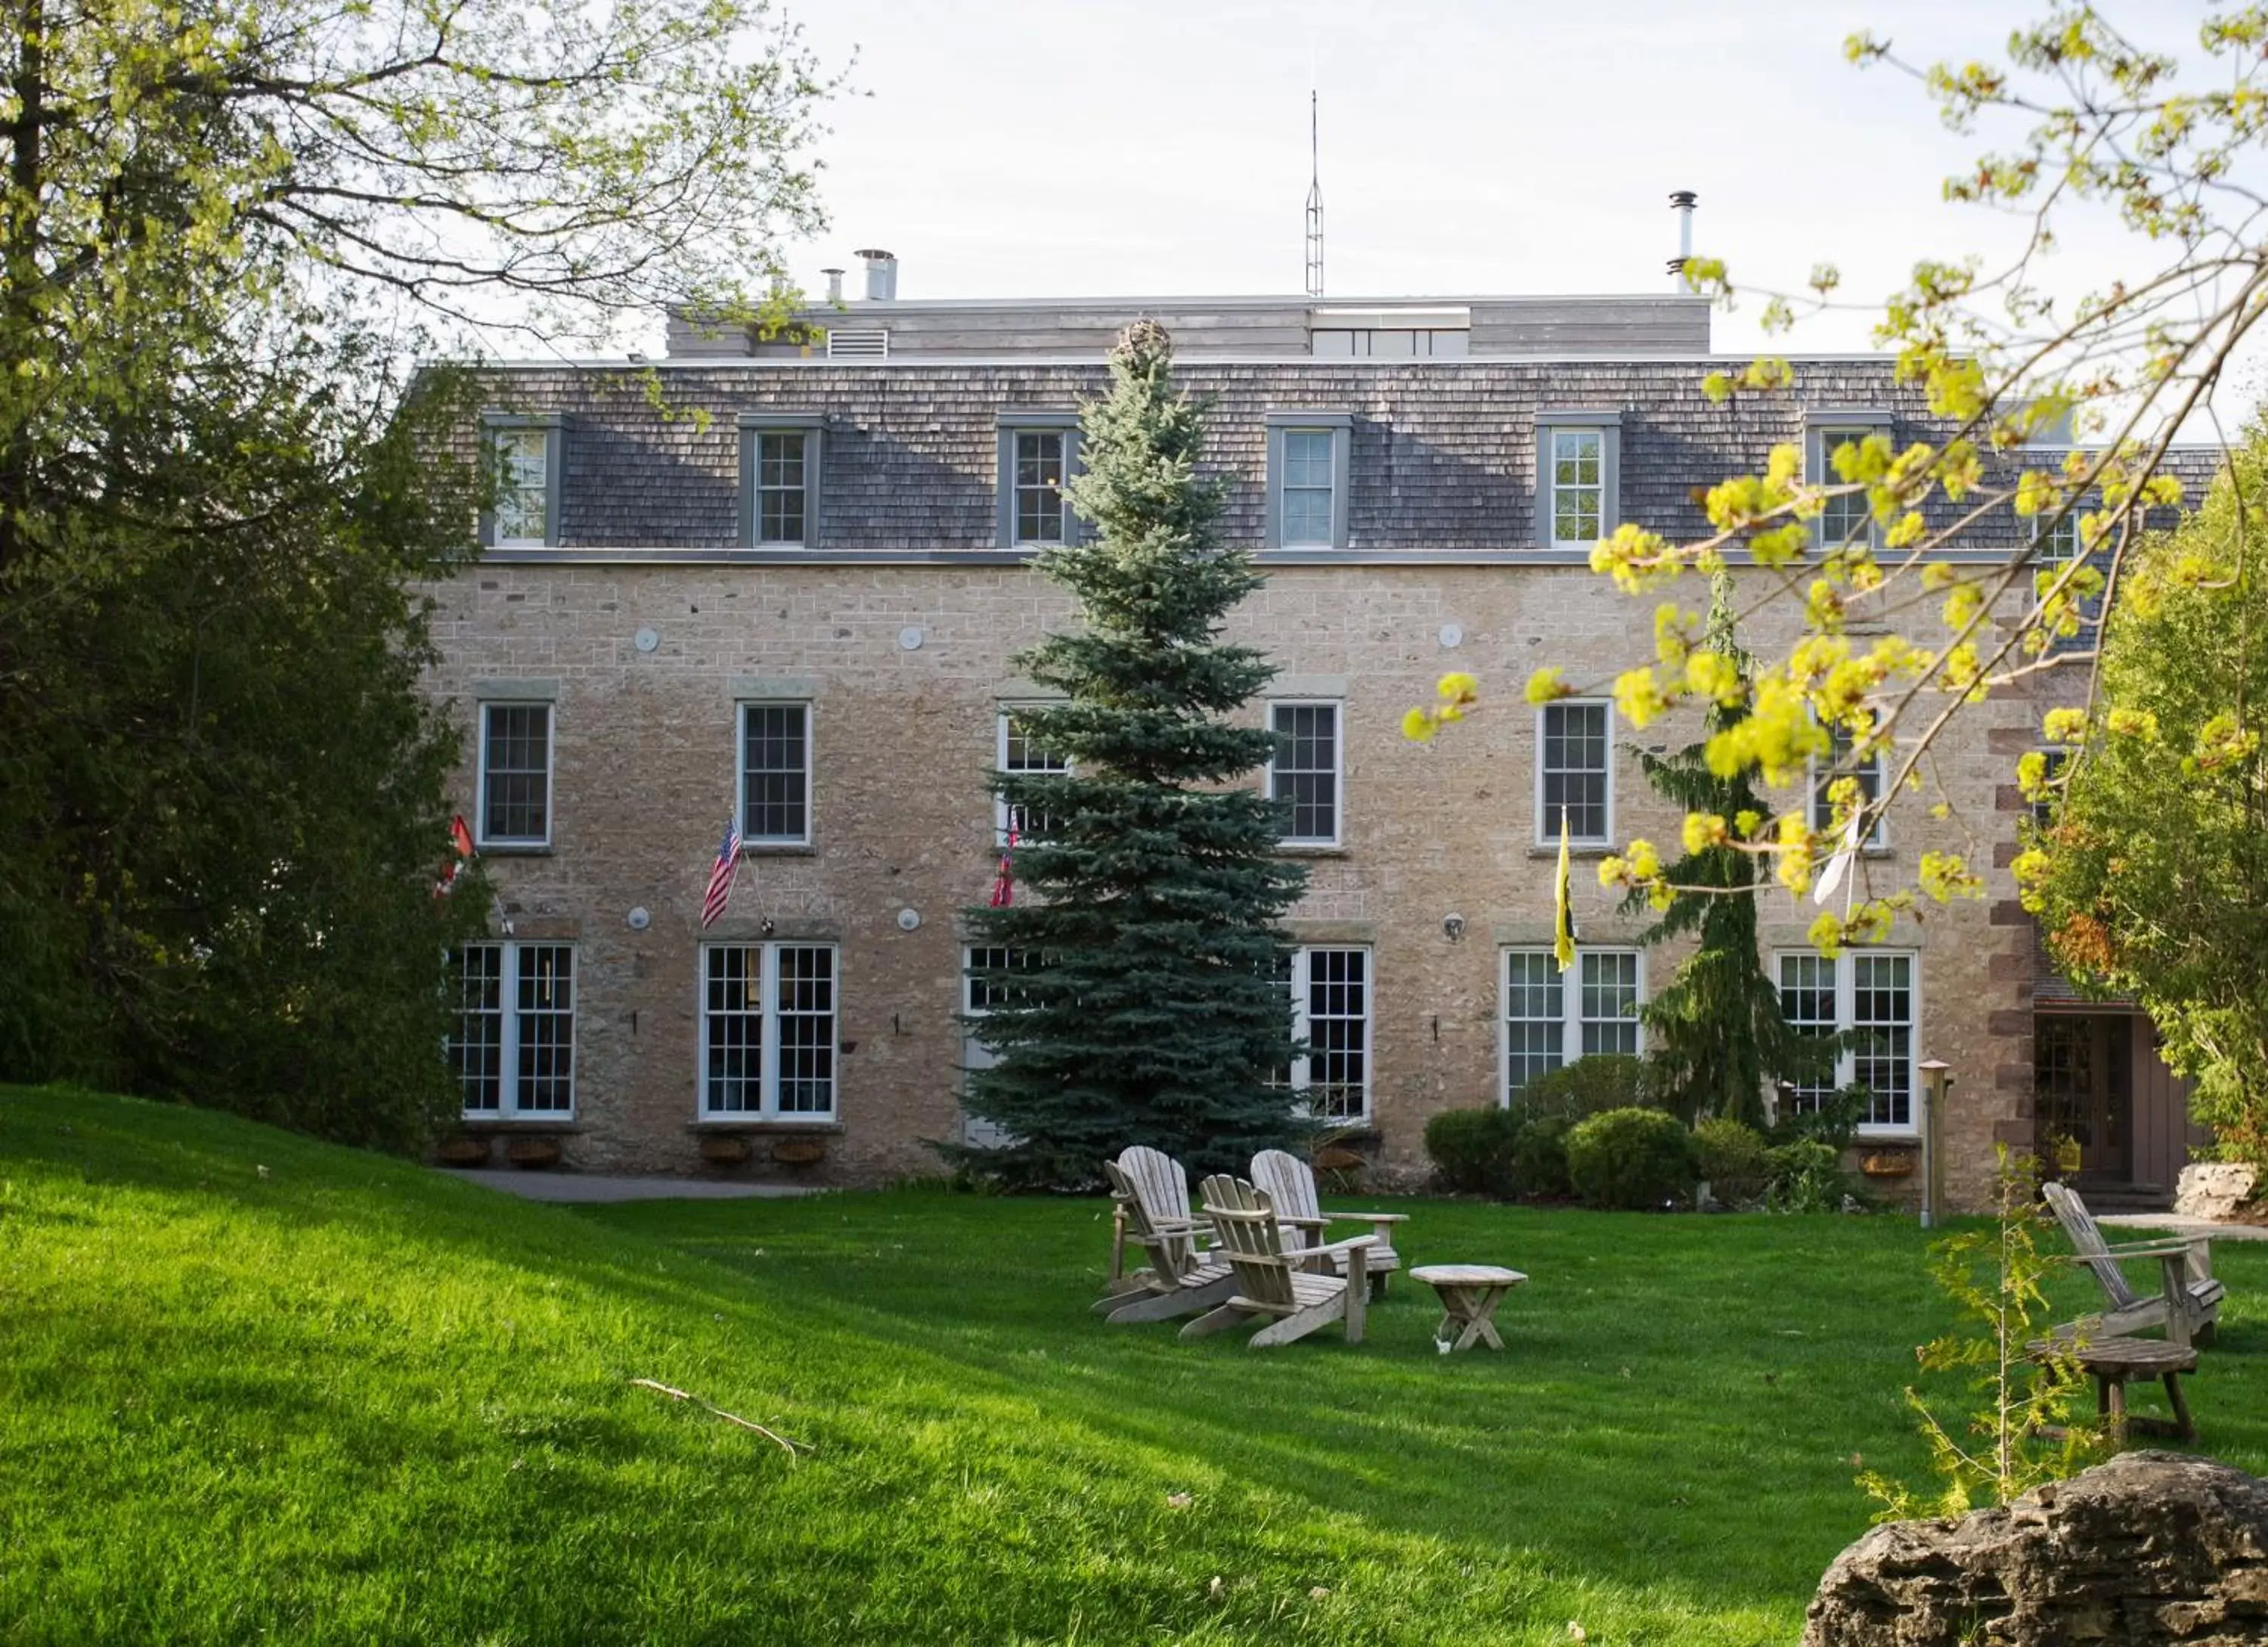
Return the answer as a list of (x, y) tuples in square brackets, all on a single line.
[(1453, 926)]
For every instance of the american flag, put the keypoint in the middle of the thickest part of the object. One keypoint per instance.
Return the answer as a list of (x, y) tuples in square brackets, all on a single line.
[(721, 874), (1004, 884)]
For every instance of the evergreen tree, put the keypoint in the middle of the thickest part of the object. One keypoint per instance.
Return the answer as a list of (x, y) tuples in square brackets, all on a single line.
[(1720, 1032), (1148, 1005)]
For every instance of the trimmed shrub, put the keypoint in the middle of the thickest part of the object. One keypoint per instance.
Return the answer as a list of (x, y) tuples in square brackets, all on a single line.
[(1539, 1157), (1630, 1158), (1473, 1149), (1731, 1158), (1805, 1177), (1589, 1086)]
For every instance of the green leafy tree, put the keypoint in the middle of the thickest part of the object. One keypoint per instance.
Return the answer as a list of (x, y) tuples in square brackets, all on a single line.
[(2151, 876), (1720, 1033), (225, 230), (2023, 1434), (1153, 1010)]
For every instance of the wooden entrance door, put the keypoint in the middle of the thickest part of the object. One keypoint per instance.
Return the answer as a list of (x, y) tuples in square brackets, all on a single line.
[(2083, 1066)]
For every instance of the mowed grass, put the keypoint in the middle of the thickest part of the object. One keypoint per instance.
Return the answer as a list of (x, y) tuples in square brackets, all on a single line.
[(348, 1400)]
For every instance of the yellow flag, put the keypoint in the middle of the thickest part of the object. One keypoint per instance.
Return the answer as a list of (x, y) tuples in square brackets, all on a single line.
[(1563, 914)]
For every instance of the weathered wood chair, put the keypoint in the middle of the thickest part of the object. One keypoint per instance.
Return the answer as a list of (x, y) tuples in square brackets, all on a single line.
[(1151, 1211), (2187, 1302), (1272, 1285), (1290, 1183)]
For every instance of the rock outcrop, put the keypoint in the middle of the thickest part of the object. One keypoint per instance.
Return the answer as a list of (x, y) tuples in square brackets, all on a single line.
[(2214, 1189), (2150, 1547)]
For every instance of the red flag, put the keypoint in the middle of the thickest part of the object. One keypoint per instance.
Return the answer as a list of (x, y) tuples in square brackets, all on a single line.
[(1004, 884), (460, 837), (460, 842)]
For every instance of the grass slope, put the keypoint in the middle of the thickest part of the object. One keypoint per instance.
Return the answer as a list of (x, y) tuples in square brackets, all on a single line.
[(343, 1399)]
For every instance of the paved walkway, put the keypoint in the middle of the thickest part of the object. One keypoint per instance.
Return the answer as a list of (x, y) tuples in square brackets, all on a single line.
[(2186, 1226), (597, 1186)]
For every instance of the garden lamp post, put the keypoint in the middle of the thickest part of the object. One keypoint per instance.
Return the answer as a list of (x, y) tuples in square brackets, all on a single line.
[(1936, 1076)]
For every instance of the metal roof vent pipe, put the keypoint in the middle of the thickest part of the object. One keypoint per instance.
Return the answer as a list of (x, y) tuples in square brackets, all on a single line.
[(881, 275), (1682, 202), (834, 284)]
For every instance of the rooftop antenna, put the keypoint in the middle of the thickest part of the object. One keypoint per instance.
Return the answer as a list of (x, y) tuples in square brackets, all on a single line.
[(1314, 202)]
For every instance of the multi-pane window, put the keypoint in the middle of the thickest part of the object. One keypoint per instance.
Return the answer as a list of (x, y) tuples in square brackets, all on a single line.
[(1306, 499), (783, 488), (1838, 763), (1551, 1019), (1331, 1015), (1579, 485), (1304, 776), (1024, 756), (1847, 517), (522, 513), (1872, 994), (991, 980), (2056, 762), (1039, 478), (2058, 544), (775, 773), (512, 1049), (515, 807), (1573, 772), (768, 1034)]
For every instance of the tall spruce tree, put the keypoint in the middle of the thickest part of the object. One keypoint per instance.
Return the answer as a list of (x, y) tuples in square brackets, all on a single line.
[(1720, 1031), (1147, 1002)]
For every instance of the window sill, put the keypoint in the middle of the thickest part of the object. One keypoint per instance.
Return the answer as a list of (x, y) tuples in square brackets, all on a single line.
[(477, 1123), (1311, 849), (1575, 849), (779, 849), (513, 849), (761, 1124), (1867, 1137)]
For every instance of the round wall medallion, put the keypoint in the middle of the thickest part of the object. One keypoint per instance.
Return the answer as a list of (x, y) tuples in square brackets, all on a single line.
[(910, 638), (639, 919), (1452, 635), (645, 639), (908, 919)]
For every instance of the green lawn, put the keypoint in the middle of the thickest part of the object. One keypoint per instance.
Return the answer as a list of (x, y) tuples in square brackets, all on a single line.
[(349, 1400)]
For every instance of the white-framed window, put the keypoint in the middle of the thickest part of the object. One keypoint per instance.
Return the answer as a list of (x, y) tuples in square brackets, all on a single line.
[(2058, 761), (1847, 519), (775, 757), (781, 462), (1329, 991), (515, 768), (1039, 456), (1872, 774), (1579, 486), (512, 1049), (768, 1032), (1578, 477), (1575, 772), (1876, 994), (983, 990), (1552, 1018), (1022, 754), (523, 457), (2057, 545), (1306, 774), (1307, 479)]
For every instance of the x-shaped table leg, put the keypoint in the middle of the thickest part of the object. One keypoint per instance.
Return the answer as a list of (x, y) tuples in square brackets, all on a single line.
[(1473, 1306)]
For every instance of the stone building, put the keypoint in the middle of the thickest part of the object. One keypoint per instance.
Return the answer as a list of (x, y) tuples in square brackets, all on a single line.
[(787, 589)]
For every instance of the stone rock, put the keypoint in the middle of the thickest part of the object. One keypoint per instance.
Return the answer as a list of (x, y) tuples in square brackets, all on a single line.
[(2150, 1547), (2214, 1189)]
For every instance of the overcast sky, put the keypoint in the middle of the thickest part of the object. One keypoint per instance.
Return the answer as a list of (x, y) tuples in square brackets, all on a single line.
[(1031, 148)]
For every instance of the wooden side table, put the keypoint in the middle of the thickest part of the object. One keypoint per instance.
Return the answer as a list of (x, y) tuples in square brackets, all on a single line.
[(2113, 1360), (1469, 1295)]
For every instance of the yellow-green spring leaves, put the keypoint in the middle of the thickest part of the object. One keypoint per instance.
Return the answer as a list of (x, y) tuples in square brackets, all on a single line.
[(1456, 692)]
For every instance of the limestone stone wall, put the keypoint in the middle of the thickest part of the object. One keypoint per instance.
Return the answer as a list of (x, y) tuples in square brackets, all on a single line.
[(903, 735)]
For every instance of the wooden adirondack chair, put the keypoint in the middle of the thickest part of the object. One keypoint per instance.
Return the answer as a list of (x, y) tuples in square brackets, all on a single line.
[(1272, 1285), (2187, 1302), (1153, 1212), (1290, 1183)]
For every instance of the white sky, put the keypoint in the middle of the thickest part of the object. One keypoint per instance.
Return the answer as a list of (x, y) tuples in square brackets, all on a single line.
[(1014, 147)]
